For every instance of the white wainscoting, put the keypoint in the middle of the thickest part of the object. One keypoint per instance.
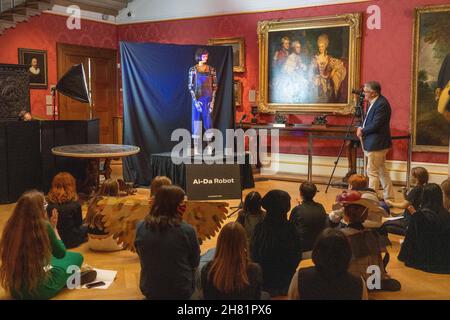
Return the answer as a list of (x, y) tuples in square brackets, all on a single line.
[(292, 164)]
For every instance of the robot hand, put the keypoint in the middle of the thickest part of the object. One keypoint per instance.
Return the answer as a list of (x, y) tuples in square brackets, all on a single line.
[(198, 105)]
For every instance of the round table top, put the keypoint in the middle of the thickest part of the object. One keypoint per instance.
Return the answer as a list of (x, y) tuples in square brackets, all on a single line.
[(95, 151)]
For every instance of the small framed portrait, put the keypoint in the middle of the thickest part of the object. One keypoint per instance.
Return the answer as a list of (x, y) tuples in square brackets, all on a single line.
[(237, 85), (36, 61), (238, 45)]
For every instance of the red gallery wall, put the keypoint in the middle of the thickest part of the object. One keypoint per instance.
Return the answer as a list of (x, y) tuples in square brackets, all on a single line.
[(386, 56), (43, 32)]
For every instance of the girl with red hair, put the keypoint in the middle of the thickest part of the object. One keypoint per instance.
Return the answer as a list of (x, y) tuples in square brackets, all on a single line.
[(63, 197)]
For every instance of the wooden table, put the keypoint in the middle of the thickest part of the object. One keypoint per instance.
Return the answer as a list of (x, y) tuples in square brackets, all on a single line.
[(307, 131), (94, 153), (331, 132)]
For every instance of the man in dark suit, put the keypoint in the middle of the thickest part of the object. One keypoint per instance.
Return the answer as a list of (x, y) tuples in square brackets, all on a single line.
[(376, 138)]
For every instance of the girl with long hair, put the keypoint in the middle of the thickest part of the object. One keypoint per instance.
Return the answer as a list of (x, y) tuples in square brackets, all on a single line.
[(419, 178), (168, 248), (231, 275), (63, 197), (412, 201), (329, 278), (98, 238), (34, 259)]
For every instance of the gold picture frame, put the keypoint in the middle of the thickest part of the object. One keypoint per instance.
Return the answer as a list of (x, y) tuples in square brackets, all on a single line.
[(238, 45), (237, 86), (431, 51), (297, 84)]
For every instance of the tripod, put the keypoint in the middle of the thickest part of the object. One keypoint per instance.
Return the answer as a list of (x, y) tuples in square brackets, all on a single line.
[(358, 114)]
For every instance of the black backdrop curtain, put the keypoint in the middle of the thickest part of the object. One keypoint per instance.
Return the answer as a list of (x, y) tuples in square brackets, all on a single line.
[(157, 101)]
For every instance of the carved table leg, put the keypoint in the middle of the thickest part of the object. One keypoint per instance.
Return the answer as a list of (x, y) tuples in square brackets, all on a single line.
[(107, 168), (91, 182)]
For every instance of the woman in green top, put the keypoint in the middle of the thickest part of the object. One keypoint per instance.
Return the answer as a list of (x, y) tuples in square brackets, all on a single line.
[(34, 259)]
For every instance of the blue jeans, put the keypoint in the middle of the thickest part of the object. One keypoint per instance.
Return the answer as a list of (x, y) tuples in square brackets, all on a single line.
[(203, 116)]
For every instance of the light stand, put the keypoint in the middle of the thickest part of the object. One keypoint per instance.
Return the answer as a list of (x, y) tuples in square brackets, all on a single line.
[(53, 93), (72, 84), (358, 114)]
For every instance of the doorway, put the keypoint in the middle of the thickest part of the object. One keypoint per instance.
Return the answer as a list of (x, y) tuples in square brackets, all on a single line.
[(100, 66)]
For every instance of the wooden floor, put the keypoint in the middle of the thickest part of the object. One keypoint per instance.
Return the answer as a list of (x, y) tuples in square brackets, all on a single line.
[(415, 284)]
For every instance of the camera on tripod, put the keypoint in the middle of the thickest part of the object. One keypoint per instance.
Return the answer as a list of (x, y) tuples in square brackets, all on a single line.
[(360, 104), (359, 117), (359, 92)]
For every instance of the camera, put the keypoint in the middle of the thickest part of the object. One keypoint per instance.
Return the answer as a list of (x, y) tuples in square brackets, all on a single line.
[(358, 92)]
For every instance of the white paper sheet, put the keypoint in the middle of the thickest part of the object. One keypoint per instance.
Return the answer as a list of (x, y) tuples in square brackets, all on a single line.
[(394, 218), (107, 276)]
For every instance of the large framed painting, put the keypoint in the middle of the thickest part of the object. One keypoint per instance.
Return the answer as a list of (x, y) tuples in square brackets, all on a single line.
[(309, 65), (36, 60), (430, 116), (238, 45)]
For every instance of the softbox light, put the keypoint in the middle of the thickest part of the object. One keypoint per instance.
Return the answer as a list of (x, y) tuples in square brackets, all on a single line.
[(74, 85)]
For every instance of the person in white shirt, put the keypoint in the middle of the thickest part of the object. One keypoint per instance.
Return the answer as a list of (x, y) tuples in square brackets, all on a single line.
[(376, 138)]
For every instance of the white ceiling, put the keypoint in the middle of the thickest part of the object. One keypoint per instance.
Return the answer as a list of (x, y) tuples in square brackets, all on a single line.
[(62, 10), (154, 10)]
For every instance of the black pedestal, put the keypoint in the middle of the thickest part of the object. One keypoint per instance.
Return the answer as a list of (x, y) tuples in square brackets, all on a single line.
[(26, 161), (20, 160)]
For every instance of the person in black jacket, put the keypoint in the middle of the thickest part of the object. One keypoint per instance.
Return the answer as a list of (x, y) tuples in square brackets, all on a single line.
[(376, 138), (329, 279), (309, 217), (64, 198), (231, 274), (276, 244), (427, 241), (168, 248)]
